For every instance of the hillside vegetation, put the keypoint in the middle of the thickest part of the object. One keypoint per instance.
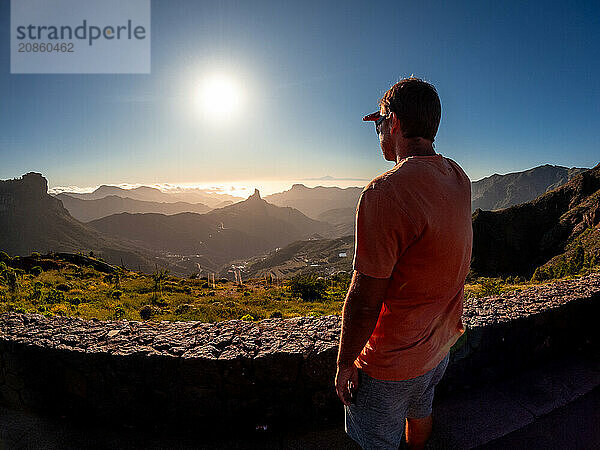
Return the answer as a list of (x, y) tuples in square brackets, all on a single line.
[(81, 286), (51, 285)]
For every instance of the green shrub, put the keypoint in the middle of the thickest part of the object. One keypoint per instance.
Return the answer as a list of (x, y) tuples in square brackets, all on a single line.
[(308, 287), (157, 300), (19, 272), (118, 312), (514, 280), (577, 260), (60, 310), (275, 315), (490, 286), (36, 271), (341, 281), (591, 261), (4, 257), (116, 294), (148, 311), (10, 276), (35, 255), (171, 286), (471, 277), (574, 264), (541, 274), (184, 308), (35, 295), (63, 287), (469, 294), (55, 296), (17, 307), (247, 317), (158, 278)]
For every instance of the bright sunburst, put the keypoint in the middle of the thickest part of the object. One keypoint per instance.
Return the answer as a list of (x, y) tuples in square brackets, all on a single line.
[(219, 97)]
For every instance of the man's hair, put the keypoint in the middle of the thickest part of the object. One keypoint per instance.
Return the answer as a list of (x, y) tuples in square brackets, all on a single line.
[(417, 106)]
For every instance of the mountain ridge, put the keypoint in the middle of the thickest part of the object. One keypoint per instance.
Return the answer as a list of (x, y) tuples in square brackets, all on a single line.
[(502, 191), (88, 210), (241, 230), (36, 221), (493, 192), (519, 239), (148, 193)]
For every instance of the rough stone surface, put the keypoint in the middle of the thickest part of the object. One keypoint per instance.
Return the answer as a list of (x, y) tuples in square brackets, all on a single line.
[(271, 372), (526, 302)]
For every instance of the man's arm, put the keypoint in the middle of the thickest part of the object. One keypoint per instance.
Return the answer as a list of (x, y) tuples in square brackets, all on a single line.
[(359, 316)]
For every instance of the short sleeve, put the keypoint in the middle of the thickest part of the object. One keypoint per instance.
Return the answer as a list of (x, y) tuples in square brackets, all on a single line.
[(383, 232)]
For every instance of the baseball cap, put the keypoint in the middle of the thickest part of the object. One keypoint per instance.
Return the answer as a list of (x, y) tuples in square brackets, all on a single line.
[(372, 117)]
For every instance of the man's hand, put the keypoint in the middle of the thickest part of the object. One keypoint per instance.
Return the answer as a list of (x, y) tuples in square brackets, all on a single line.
[(359, 317), (346, 383)]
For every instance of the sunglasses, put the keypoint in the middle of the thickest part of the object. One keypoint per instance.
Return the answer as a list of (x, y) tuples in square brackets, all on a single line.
[(378, 123), (377, 118)]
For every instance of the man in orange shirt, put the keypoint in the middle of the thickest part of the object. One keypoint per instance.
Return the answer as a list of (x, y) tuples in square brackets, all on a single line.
[(412, 253)]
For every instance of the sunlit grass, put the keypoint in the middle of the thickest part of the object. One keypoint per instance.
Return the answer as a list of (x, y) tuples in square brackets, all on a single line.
[(85, 292)]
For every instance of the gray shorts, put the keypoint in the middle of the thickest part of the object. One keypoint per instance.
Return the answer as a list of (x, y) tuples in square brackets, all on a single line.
[(377, 417)]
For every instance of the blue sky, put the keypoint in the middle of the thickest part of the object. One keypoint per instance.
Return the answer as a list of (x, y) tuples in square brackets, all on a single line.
[(518, 81)]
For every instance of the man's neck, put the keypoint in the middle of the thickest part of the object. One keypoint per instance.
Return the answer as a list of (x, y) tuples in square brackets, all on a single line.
[(414, 147)]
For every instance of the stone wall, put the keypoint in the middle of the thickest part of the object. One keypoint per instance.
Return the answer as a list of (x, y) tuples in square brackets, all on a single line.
[(277, 371)]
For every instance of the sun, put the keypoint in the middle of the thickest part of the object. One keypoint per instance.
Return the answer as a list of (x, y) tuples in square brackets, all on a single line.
[(219, 97)]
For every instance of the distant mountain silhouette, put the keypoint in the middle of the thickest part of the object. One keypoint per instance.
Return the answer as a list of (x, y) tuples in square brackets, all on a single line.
[(317, 200), (32, 220), (338, 215), (86, 210), (518, 239), (502, 191), (240, 230), (150, 194), (342, 218), (338, 206)]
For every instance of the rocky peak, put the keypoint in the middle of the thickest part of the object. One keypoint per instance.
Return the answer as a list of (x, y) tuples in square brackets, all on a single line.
[(30, 185), (36, 182), (255, 196)]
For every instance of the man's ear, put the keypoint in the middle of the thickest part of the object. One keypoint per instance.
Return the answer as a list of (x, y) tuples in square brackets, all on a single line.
[(395, 124)]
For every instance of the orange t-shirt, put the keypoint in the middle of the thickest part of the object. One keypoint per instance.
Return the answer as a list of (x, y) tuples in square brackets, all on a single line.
[(413, 225)]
